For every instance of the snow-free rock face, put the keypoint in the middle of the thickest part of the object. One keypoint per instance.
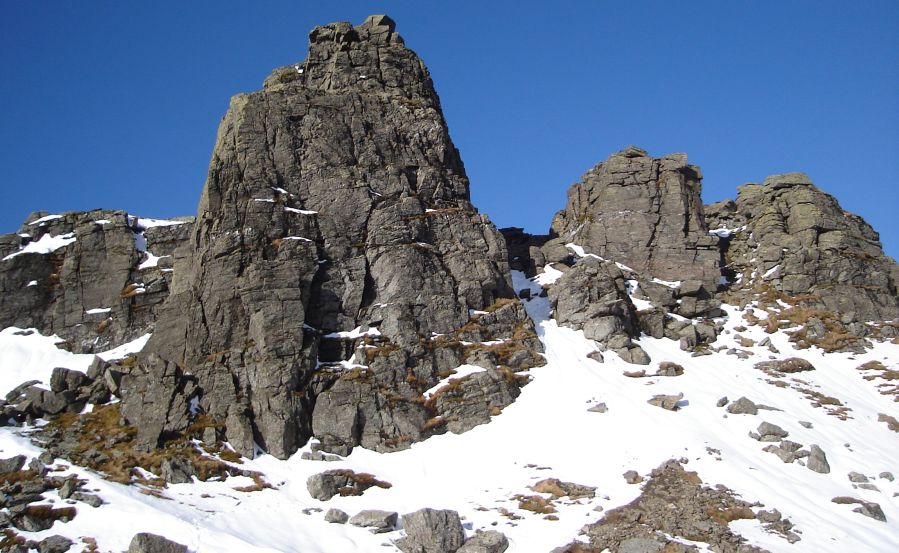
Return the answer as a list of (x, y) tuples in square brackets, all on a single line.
[(94, 278), (798, 239), (335, 258), (643, 212)]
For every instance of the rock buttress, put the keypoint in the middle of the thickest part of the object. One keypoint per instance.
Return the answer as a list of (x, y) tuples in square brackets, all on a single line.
[(335, 258)]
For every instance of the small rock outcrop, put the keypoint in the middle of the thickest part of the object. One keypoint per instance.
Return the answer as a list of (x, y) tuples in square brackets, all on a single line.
[(796, 239), (643, 212), (592, 296), (95, 278), (674, 504)]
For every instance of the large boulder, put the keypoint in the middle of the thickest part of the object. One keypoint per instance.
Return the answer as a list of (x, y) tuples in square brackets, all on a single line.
[(431, 531)]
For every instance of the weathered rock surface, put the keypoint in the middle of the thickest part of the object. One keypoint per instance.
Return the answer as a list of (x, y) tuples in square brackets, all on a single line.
[(325, 485), (431, 531), (91, 277), (674, 504), (335, 201), (153, 543), (743, 406), (592, 296), (643, 212), (375, 520), (489, 541), (799, 241)]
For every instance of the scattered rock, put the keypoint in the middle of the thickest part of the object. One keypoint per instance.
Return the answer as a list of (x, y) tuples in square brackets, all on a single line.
[(722, 402), (12, 464), (857, 477), (886, 476), (55, 544), (769, 516), (177, 470), (489, 541), (788, 366), (336, 516), (667, 402), (88, 498), (870, 509), (431, 531), (805, 424), (325, 485), (598, 408), (667, 368), (154, 543), (377, 521), (743, 406), (556, 488), (632, 477), (768, 432), (673, 504), (817, 460)]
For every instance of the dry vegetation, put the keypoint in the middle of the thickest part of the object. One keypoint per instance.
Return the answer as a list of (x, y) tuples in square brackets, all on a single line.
[(99, 441)]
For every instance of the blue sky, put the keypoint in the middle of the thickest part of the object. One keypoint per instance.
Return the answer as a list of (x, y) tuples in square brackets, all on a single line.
[(115, 104)]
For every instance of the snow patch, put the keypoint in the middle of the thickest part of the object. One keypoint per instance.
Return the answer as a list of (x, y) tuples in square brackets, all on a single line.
[(126, 349), (45, 219), (47, 244)]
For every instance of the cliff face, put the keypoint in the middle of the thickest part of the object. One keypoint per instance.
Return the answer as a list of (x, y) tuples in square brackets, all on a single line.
[(643, 212), (93, 278), (334, 244), (336, 270), (791, 236)]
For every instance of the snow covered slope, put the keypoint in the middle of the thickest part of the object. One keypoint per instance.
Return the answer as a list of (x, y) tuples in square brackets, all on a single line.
[(549, 432)]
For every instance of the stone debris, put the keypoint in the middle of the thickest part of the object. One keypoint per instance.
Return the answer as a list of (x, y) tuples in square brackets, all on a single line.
[(153, 543), (743, 406), (375, 520), (667, 402)]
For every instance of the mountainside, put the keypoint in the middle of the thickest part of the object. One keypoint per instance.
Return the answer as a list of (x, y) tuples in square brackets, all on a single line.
[(338, 329)]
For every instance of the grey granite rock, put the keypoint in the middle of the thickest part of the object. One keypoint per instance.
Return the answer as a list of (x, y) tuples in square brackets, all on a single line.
[(375, 520), (817, 460), (798, 240), (431, 531), (643, 212), (336, 516), (485, 541), (335, 200), (145, 542)]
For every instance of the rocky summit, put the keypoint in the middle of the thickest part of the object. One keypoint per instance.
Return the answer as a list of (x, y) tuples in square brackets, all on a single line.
[(337, 299)]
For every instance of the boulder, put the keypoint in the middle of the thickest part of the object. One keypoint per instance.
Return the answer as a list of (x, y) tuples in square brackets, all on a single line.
[(431, 531), (55, 544), (667, 402), (145, 542), (817, 460), (485, 541), (336, 516), (375, 520), (743, 406)]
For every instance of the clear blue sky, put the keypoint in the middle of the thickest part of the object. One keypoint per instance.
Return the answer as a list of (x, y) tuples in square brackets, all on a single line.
[(114, 104)]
